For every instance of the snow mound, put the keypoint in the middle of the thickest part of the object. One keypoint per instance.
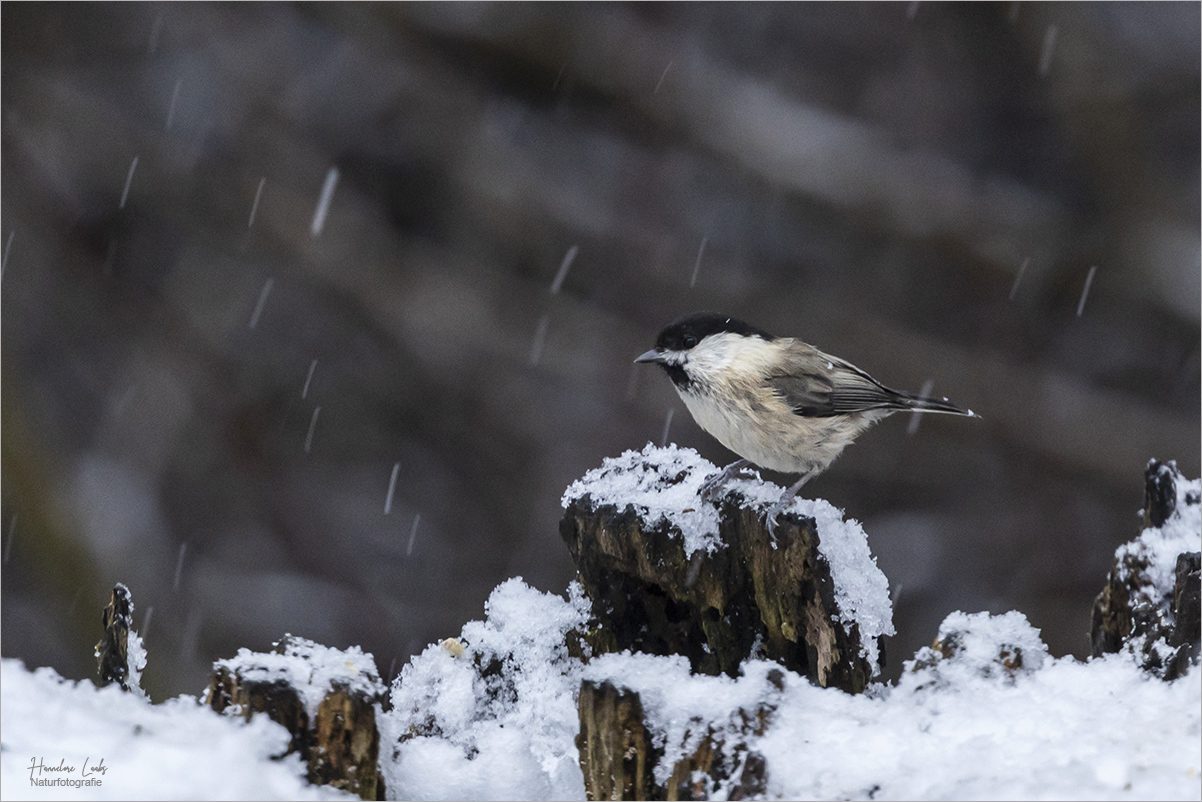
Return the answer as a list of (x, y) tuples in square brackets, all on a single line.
[(663, 484), (978, 646), (491, 715), (1058, 729), (311, 669), (175, 750)]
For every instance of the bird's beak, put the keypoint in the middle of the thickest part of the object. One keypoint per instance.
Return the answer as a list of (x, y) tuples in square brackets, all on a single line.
[(651, 356)]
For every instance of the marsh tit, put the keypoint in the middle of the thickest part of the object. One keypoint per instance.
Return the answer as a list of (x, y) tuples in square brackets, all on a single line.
[(777, 402)]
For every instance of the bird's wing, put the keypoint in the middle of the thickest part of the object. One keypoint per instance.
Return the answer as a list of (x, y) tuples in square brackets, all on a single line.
[(817, 385)]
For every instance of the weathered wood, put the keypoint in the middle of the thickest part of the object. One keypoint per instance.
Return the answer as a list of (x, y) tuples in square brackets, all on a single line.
[(112, 652), (616, 754), (232, 694), (346, 745), (340, 742), (719, 608)]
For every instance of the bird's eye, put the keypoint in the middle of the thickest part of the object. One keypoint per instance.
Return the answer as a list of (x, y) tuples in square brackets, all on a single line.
[(690, 341)]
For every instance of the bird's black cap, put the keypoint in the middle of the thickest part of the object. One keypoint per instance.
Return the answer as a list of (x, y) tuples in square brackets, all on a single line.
[(683, 333)]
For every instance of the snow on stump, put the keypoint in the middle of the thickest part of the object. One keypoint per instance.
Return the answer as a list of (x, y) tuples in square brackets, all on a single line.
[(326, 698), (669, 573), (1150, 604)]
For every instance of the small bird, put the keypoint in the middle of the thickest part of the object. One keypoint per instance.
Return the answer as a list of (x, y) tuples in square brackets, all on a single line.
[(777, 402)]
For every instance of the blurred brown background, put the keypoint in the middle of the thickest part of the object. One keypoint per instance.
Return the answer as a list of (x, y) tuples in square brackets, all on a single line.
[(872, 178)]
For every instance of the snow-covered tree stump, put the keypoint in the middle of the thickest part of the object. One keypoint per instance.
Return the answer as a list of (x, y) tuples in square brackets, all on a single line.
[(326, 698), (669, 573), (1150, 604)]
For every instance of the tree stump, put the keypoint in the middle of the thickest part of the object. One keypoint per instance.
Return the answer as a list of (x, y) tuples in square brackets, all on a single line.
[(749, 596), (1147, 607), (327, 699)]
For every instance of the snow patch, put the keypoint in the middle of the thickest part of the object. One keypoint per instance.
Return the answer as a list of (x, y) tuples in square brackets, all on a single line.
[(496, 717), (175, 750), (1056, 729), (662, 484)]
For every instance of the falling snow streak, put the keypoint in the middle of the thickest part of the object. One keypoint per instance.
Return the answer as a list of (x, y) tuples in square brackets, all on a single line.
[(308, 378), (8, 244), (663, 441), (110, 257), (555, 85), (1049, 46), (391, 670), (632, 386), (413, 534), (912, 10), (146, 622), (8, 543), (190, 636), (179, 565), (323, 203), (914, 418), (1085, 292), (540, 335), (254, 316), (661, 78), (697, 265), (1012, 15), (155, 28), (174, 97), (396, 468), (312, 426), (1017, 279), (128, 180), (564, 266), (254, 207)]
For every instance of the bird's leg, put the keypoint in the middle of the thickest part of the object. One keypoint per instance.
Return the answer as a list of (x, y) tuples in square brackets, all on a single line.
[(709, 488), (785, 500)]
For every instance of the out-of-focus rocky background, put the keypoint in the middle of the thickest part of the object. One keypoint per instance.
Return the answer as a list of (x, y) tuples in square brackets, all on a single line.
[(922, 189)]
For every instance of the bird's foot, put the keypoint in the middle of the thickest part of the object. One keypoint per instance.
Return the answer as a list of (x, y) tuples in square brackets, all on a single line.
[(785, 501), (710, 487), (770, 517)]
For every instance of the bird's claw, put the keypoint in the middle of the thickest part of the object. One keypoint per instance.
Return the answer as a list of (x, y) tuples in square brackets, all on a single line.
[(770, 519), (710, 487)]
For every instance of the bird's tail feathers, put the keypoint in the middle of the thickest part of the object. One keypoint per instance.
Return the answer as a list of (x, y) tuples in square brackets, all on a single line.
[(919, 403)]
